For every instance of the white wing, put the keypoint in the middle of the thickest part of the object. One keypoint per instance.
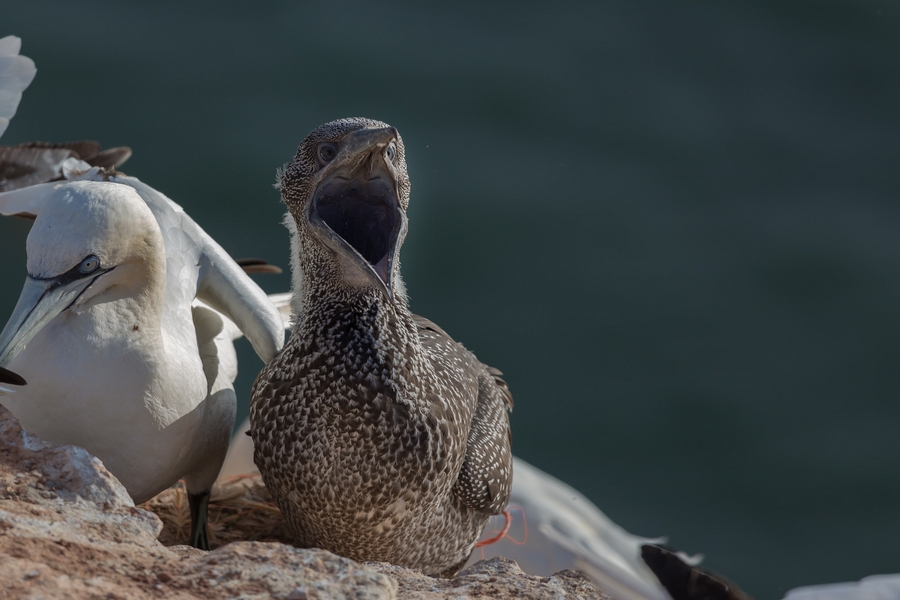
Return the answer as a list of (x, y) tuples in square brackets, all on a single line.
[(876, 587), (567, 531), (282, 302), (26, 201), (31, 199), (239, 460), (16, 73), (217, 279)]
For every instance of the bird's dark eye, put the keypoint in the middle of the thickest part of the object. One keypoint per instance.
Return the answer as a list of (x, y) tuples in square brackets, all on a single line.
[(89, 265), (391, 151), (327, 152)]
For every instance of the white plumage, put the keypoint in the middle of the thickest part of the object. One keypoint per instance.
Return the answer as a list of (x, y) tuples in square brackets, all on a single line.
[(16, 73), (875, 587), (124, 329), (567, 531), (133, 358)]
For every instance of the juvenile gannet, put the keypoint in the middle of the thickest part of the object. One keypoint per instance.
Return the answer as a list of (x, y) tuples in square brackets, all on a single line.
[(554, 528), (379, 437), (124, 333)]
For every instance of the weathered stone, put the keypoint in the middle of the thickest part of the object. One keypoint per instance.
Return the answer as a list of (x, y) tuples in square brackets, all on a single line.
[(491, 579), (68, 529)]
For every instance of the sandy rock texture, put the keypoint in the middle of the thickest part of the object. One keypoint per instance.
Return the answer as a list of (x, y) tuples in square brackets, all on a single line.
[(68, 529)]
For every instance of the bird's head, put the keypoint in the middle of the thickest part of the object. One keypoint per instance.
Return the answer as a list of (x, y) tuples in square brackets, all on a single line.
[(90, 243), (347, 189)]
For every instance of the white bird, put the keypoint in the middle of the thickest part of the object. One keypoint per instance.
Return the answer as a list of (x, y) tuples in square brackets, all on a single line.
[(124, 329), (124, 332)]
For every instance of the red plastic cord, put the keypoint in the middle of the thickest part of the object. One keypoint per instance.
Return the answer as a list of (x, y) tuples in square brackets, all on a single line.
[(500, 535)]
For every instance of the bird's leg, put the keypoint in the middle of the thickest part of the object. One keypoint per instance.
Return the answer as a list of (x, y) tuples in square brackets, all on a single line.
[(199, 519)]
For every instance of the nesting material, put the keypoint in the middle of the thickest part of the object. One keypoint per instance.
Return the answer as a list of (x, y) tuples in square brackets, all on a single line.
[(240, 509)]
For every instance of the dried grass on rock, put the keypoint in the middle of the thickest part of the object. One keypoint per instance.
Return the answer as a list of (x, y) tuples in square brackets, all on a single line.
[(240, 509)]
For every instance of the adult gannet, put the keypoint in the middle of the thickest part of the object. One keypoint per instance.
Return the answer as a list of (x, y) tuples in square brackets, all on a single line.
[(124, 333), (379, 437), (124, 328)]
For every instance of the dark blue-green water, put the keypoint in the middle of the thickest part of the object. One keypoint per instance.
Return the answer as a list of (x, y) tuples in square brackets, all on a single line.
[(674, 226)]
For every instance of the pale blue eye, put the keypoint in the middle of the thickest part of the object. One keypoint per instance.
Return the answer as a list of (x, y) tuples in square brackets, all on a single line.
[(89, 265), (391, 151)]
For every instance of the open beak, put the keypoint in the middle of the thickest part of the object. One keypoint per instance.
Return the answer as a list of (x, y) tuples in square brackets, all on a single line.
[(356, 208), (40, 301)]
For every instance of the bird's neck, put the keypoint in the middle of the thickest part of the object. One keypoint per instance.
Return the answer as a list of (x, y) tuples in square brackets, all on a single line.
[(363, 332), (365, 309), (357, 325)]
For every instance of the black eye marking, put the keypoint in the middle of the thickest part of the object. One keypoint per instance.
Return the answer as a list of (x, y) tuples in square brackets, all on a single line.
[(326, 152)]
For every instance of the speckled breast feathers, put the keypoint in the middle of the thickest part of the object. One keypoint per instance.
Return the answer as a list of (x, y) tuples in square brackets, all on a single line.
[(379, 436)]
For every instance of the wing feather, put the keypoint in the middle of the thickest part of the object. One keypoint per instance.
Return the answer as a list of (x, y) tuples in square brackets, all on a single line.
[(16, 74), (486, 475), (220, 282)]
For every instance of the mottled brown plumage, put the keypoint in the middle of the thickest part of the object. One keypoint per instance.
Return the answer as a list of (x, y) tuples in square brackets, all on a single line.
[(379, 436)]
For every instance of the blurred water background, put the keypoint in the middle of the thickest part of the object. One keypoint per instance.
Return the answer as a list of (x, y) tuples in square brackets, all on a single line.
[(674, 227)]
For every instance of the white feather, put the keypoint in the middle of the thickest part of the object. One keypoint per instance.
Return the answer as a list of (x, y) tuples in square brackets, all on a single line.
[(16, 74), (567, 531), (153, 409), (875, 587)]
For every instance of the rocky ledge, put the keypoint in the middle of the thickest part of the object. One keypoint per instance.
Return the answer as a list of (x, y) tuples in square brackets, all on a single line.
[(68, 529)]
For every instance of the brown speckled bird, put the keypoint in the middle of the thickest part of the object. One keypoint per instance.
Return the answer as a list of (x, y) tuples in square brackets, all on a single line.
[(379, 437)]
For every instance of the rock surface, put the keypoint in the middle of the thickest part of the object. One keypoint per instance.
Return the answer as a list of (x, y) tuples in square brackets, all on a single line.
[(68, 529)]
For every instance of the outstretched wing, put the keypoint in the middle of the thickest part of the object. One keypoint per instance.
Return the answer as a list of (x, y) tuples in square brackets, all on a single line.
[(567, 531), (218, 280), (485, 479)]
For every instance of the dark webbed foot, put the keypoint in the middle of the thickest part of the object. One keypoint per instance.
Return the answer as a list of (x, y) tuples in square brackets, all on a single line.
[(199, 504)]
